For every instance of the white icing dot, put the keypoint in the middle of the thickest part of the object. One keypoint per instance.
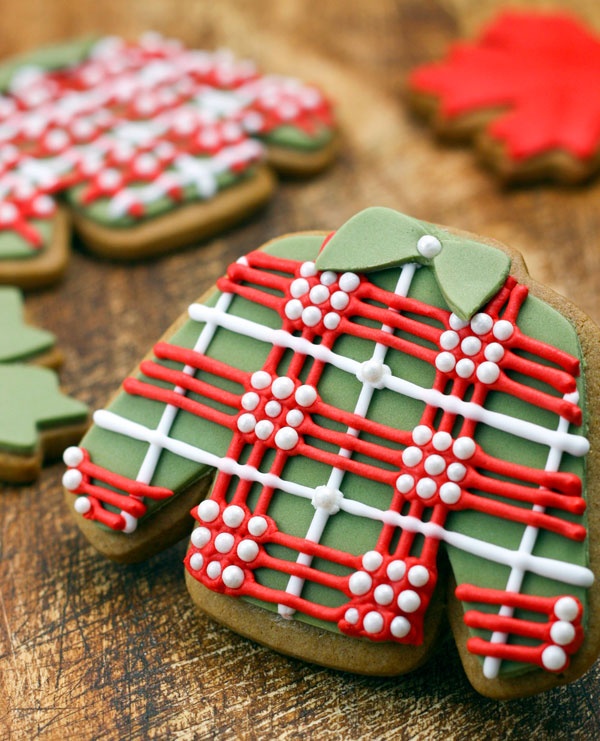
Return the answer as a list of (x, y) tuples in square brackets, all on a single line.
[(351, 615), (373, 622), (494, 352), (503, 329), (349, 282), (554, 658), (450, 493), (372, 560), (409, 600), (395, 570), (294, 309), (109, 179), (224, 542), (566, 608), (562, 632), (412, 456), (272, 408), (442, 441), (8, 213), (327, 498), (200, 537), (449, 340), (456, 322), (264, 429), (43, 205), (73, 456), (247, 550), (286, 438), (471, 345), (421, 435), (434, 465), (404, 483), (282, 387), (233, 515), (418, 576), (456, 472), (373, 372), (257, 525), (260, 380), (213, 570), (311, 316), (319, 294), (445, 362), (308, 269), (482, 323), (331, 320), (196, 561), (246, 422), (250, 401), (463, 448), (359, 583), (130, 522), (426, 488), (488, 372), (399, 627), (299, 287), (339, 300), (383, 594), (233, 577), (294, 418), (306, 395), (82, 505), (328, 278), (429, 246), (208, 510), (465, 368)]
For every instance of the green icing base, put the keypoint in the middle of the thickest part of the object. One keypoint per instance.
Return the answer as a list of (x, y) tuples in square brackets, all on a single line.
[(295, 138), (18, 341)]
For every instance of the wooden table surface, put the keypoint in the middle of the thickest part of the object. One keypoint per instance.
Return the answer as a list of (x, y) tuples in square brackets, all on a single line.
[(93, 650)]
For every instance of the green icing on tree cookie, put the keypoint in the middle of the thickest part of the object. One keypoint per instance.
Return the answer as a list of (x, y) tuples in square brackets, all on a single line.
[(19, 341)]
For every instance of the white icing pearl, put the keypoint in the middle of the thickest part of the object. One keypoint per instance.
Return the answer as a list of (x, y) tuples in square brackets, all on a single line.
[(418, 576), (351, 615), (349, 282), (421, 435), (503, 329), (331, 320), (429, 246), (465, 368), (233, 515), (426, 488), (450, 493), (449, 340), (72, 479), (463, 448), (445, 362), (257, 525), (373, 372), (282, 387), (434, 465), (294, 418), (494, 352), (482, 323), (383, 594), (131, 522), (294, 309), (196, 561), (404, 483), (456, 472), (246, 422), (442, 441), (562, 632), (272, 408), (250, 401), (328, 499), (328, 278), (372, 560), (299, 287), (260, 380), (247, 550), (566, 608), (233, 577), (311, 316), (82, 505), (488, 372), (400, 627), (359, 583), (43, 205), (554, 658), (412, 456), (395, 570), (286, 438), (471, 345), (319, 294), (213, 570), (373, 622), (208, 510), (224, 542), (409, 600), (456, 322), (306, 395), (264, 429), (200, 537), (339, 300), (308, 269), (8, 212), (109, 179)]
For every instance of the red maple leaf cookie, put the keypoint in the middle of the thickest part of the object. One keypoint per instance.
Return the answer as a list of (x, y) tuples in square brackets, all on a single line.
[(527, 88)]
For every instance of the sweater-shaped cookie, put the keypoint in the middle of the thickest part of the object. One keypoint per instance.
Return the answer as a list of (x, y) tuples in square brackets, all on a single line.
[(396, 414)]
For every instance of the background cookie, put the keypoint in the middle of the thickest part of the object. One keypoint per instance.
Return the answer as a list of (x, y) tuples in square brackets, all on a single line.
[(525, 90), (361, 412)]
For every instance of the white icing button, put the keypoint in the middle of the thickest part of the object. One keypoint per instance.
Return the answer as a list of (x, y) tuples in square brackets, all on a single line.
[(82, 505), (200, 537), (404, 483), (208, 510), (319, 294), (233, 577), (260, 380), (409, 600), (250, 401), (264, 429), (311, 316), (246, 422), (372, 560), (494, 352), (456, 322), (442, 441), (282, 387), (247, 550), (294, 309), (299, 287), (429, 246), (359, 583), (456, 472), (8, 212), (488, 372), (351, 615), (349, 282), (383, 594), (286, 438), (72, 479), (566, 608), (373, 622), (562, 632), (331, 320), (328, 499), (503, 329), (373, 372), (434, 465), (308, 269), (306, 395), (272, 408), (465, 368), (233, 515), (463, 448), (445, 362), (450, 493), (328, 278), (426, 488), (196, 561), (482, 323), (449, 340), (257, 525), (418, 576), (395, 570), (471, 345), (224, 542), (294, 418), (554, 658), (339, 300), (421, 435), (400, 627), (412, 456), (131, 522)]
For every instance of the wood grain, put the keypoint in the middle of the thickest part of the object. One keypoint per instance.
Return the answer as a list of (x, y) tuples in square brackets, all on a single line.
[(93, 650)]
